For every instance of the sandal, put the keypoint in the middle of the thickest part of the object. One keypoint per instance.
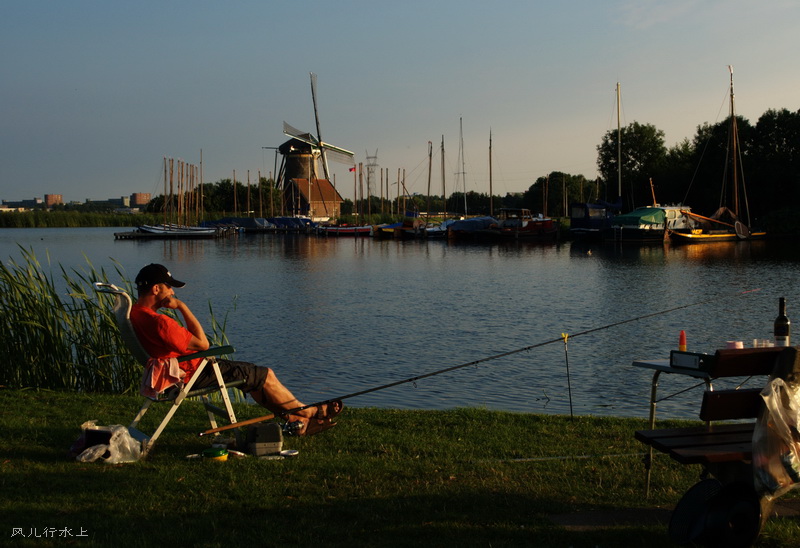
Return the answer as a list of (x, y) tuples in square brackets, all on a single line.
[(315, 427), (332, 410), (322, 420)]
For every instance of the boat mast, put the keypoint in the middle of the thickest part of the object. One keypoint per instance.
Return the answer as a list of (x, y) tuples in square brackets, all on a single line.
[(171, 190), (734, 149), (463, 167), (201, 202), (491, 198), (619, 147), (430, 167), (165, 191), (444, 196)]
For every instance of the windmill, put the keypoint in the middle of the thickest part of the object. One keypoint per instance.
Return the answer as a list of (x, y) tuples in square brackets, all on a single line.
[(302, 153)]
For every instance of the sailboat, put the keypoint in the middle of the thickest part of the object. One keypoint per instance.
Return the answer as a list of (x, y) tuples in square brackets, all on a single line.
[(725, 224), (187, 197), (645, 224)]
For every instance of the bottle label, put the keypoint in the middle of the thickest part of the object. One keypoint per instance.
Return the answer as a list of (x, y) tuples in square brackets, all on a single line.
[(781, 341)]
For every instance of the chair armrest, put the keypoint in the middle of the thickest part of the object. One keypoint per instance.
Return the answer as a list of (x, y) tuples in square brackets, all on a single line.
[(213, 351)]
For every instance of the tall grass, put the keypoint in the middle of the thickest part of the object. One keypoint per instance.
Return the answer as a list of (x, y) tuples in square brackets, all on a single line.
[(60, 335), (73, 219)]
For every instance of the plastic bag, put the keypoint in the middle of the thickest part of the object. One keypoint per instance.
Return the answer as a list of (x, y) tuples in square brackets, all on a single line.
[(121, 446), (776, 440)]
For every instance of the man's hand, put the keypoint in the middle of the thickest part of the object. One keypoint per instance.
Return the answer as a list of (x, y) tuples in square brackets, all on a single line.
[(170, 301)]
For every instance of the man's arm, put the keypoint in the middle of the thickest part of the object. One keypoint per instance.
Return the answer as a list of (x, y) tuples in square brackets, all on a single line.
[(199, 340)]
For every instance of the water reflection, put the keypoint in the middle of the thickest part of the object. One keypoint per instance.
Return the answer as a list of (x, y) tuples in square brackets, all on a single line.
[(340, 315)]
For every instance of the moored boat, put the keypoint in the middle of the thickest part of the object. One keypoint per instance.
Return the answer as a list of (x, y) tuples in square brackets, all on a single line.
[(725, 224), (470, 229), (345, 230), (178, 230), (590, 221), (521, 224), (648, 224), (438, 231)]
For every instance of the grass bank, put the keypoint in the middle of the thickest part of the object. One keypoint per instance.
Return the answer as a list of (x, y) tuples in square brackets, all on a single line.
[(466, 477)]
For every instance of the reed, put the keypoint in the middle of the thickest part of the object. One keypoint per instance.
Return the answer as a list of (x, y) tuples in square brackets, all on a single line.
[(58, 333)]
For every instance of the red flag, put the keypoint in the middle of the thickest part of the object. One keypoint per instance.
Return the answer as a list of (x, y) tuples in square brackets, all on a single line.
[(353, 168)]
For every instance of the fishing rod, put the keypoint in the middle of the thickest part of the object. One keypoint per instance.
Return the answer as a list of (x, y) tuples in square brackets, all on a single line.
[(474, 362)]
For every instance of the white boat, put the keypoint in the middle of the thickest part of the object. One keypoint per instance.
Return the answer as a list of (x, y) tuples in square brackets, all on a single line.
[(178, 230)]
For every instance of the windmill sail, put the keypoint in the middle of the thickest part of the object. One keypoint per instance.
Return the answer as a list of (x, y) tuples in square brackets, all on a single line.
[(325, 150), (299, 135)]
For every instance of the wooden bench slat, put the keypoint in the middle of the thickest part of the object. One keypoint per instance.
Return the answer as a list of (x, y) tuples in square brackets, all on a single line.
[(699, 440), (702, 444), (644, 435), (721, 405), (714, 454), (741, 362)]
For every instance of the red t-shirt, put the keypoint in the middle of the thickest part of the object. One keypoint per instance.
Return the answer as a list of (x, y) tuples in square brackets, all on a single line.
[(163, 337)]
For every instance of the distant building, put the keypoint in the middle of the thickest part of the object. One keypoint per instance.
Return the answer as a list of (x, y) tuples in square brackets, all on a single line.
[(24, 204), (139, 199), (51, 200), (316, 198), (303, 192), (135, 202)]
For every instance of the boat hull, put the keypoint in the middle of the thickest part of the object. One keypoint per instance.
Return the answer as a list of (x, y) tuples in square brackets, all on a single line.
[(589, 222), (703, 237), (345, 230), (634, 234)]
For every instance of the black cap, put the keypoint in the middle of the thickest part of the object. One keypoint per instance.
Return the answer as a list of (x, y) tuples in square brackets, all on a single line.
[(154, 274)]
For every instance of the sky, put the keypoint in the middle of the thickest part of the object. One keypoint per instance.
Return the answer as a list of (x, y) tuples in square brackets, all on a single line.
[(94, 94)]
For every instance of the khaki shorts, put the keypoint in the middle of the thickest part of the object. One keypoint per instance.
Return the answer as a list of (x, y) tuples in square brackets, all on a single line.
[(253, 375)]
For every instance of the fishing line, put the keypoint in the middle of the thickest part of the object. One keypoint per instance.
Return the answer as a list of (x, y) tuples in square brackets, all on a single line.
[(480, 361), (526, 348)]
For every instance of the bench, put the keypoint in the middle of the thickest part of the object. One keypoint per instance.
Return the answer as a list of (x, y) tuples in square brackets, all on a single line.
[(724, 450), (720, 448)]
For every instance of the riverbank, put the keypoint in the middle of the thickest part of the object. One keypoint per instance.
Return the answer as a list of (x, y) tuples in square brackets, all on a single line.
[(381, 477)]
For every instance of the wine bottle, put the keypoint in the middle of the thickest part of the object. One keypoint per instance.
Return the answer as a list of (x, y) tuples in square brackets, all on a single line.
[(782, 326)]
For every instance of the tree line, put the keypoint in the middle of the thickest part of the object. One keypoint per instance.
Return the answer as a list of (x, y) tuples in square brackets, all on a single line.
[(692, 172)]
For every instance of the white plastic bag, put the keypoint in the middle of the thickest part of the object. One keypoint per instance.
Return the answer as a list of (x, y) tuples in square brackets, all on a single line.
[(776, 440), (121, 447)]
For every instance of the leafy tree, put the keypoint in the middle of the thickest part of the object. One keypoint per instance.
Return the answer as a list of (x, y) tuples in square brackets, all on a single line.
[(711, 186), (643, 155), (551, 195), (776, 151), (671, 181)]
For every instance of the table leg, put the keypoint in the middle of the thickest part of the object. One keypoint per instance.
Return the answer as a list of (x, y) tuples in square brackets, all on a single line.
[(648, 459)]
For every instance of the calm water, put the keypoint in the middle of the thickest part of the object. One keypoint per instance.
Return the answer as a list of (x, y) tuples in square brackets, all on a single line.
[(338, 316)]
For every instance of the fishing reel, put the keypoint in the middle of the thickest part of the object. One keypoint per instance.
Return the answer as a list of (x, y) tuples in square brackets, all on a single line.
[(292, 428)]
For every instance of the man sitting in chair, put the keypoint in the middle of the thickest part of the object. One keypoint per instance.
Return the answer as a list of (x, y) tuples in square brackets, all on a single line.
[(164, 337)]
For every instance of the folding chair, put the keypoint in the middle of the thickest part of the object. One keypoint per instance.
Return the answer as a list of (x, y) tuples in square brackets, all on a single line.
[(122, 310)]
